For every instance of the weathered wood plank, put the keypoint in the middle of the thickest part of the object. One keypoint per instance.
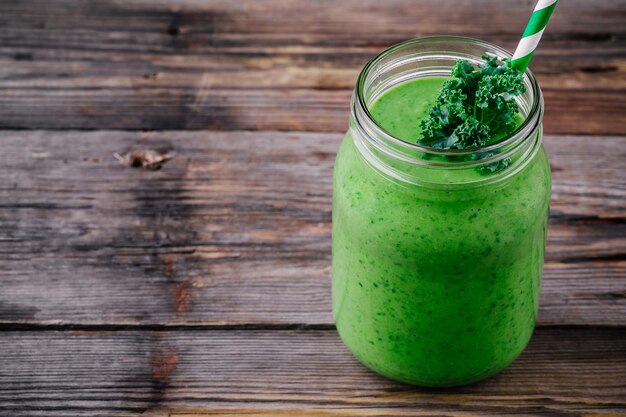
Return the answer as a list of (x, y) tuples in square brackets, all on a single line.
[(230, 65), (236, 229), (563, 372)]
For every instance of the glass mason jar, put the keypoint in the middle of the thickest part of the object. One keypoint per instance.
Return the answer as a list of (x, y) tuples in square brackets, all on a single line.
[(437, 254)]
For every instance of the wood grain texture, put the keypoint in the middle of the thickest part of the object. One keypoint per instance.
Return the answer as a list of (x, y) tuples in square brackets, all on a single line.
[(236, 229), (563, 372), (203, 288), (268, 65)]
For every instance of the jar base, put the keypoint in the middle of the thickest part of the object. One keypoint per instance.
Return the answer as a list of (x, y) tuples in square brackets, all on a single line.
[(442, 382)]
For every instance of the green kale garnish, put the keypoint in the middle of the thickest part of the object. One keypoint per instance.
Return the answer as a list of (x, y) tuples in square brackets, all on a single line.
[(494, 167), (476, 105)]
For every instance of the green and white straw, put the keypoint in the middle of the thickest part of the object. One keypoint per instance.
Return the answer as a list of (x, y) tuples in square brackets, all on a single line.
[(534, 29)]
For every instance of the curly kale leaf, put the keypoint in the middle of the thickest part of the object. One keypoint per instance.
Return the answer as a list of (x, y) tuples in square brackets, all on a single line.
[(474, 106), (494, 167)]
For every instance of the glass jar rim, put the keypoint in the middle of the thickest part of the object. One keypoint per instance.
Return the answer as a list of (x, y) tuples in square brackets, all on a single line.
[(533, 117)]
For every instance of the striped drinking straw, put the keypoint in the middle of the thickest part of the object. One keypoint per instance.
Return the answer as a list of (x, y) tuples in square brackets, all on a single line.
[(534, 29)]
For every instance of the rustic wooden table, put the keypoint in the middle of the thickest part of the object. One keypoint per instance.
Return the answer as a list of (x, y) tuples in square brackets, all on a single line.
[(203, 288)]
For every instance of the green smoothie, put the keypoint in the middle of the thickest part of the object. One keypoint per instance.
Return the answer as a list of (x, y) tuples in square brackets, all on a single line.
[(435, 286)]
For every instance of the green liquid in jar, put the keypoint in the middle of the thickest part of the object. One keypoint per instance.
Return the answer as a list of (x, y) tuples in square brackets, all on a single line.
[(433, 286)]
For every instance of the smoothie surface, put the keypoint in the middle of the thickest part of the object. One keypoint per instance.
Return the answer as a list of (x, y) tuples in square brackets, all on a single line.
[(400, 110)]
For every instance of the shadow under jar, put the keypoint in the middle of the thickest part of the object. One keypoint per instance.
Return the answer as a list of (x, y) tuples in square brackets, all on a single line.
[(437, 254)]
